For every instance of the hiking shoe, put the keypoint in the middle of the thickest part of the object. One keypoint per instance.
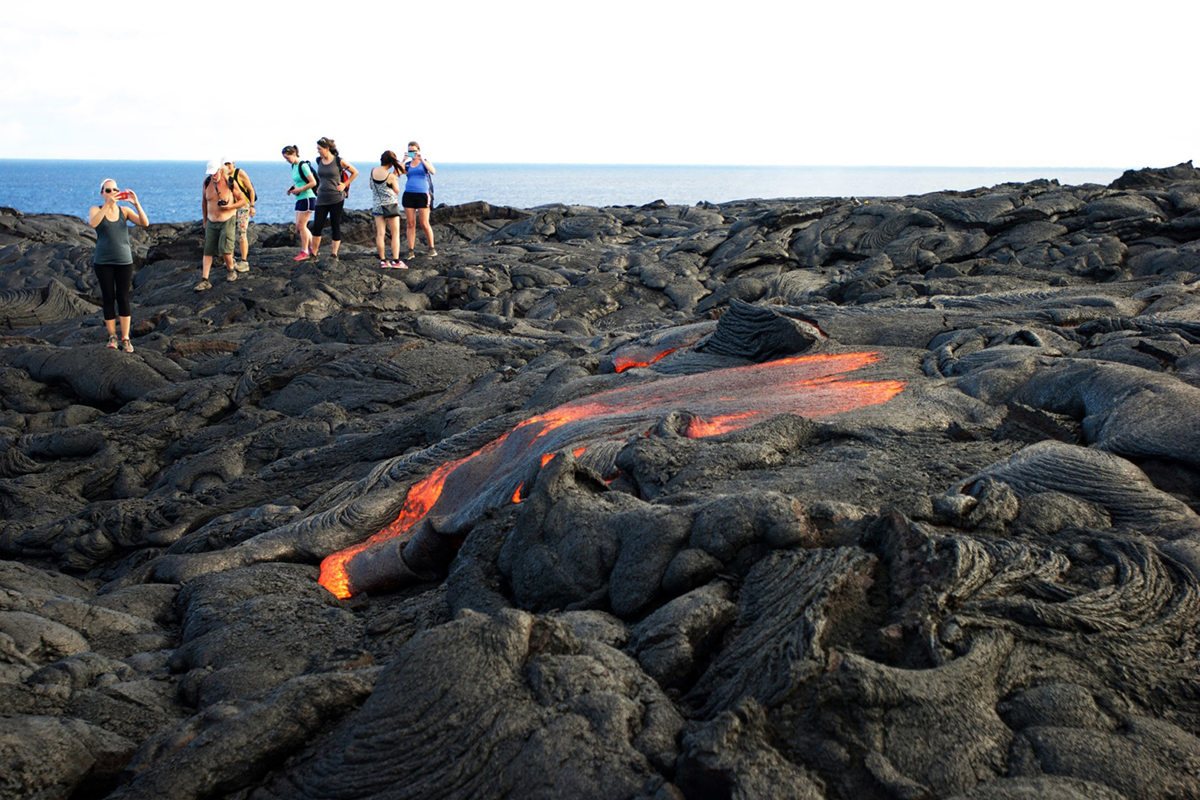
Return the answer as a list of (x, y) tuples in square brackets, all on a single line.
[(242, 266), (303, 255), (432, 253), (127, 345), (411, 254), (112, 341), (334, 256), (232, 276), (202, 286)]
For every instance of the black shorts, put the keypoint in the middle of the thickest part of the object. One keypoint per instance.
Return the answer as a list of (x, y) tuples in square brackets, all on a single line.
[(415, 200)]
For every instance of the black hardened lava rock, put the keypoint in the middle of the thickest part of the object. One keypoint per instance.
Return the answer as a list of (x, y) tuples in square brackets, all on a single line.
[(813, 498)]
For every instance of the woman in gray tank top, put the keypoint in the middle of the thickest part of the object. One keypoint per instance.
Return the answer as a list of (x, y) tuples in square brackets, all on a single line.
[(113, 260), (331, 193)]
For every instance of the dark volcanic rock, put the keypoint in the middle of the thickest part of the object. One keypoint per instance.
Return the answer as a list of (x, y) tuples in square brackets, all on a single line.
[(811, 498)]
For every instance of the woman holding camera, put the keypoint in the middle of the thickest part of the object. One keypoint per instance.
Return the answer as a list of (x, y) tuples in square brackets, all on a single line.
[(417, 197), (113, 260)]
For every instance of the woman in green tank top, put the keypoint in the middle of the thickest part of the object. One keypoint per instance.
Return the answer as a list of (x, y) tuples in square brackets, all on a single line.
[(304, 180)]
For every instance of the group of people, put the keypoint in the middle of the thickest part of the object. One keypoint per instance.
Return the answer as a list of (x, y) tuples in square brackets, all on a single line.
[(227, 205), (321, 191)]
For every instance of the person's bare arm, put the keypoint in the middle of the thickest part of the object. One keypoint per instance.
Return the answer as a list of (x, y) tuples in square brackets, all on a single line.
[(139, 218), (346, 165), (251, 193)]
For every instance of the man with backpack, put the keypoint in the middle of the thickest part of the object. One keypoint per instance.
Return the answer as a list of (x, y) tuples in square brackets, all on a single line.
[(219, 204), (241, 180)]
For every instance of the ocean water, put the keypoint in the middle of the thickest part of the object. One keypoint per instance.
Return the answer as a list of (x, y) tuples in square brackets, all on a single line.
[(170, 190)]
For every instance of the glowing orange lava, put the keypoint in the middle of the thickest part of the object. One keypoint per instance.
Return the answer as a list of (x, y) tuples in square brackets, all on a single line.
[(622, 363), (719, 402)]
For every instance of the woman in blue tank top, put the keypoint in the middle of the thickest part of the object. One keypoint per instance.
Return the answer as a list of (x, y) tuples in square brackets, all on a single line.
[(113, 260), (416, 199)]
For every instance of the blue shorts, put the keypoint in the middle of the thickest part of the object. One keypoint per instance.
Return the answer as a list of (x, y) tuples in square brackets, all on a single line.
[(309, 204)]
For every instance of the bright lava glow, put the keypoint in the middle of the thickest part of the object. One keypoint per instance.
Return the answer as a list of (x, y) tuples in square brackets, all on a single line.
[(719, 402), (620, 364)]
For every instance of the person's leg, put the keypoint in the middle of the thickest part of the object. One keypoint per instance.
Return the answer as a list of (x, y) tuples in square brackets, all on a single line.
[(305, 233), (379, 238), (428, 230), (228, 235), (211, 240), (394, 224), (335, 224), (410, 215), (123, 280), (108, 293), (318, 227), (302, 218), (243, 228)]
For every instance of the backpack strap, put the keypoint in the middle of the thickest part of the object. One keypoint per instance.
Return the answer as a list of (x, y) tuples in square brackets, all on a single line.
[(246, 192)]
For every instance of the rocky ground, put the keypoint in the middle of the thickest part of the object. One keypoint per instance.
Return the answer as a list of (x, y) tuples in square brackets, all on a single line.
[(820, 498)]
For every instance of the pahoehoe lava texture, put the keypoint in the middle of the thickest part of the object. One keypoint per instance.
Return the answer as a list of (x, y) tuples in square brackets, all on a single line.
[(774, 498)]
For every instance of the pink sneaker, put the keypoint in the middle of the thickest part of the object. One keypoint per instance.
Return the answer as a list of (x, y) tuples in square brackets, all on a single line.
[(399, 265), (303, 255)]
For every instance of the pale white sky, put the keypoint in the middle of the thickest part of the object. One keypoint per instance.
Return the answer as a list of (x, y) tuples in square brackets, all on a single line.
[(917, 83)]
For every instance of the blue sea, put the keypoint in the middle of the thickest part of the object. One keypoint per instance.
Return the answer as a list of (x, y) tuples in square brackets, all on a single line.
[(170, 190)]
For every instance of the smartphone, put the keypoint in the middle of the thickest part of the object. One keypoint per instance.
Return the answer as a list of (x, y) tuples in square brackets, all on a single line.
[(122, 195)]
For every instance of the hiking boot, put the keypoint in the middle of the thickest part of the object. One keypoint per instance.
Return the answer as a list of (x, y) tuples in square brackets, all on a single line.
[(303, 255), (127, 345), (202, 286), (112, 341), (242, 266), (232, 276)]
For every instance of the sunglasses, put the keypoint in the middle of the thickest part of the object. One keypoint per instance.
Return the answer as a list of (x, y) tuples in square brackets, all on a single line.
[(109, 191)]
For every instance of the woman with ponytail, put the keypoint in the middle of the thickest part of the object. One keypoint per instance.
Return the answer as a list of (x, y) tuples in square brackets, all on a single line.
[(331, 193), (385, 188), (304, 182)]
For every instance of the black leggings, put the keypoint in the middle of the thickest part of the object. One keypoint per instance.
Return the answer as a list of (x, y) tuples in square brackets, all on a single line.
[(115, 280), (334, 212)]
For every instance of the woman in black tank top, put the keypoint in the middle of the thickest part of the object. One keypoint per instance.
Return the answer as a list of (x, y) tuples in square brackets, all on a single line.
[(113, 260)]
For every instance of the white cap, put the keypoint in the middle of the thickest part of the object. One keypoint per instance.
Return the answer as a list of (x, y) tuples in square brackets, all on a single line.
[(214, 164)]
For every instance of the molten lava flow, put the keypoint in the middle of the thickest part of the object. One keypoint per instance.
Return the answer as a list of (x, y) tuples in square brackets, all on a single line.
[(421, 497), (698, 427), (460, 492), (624, 362)]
